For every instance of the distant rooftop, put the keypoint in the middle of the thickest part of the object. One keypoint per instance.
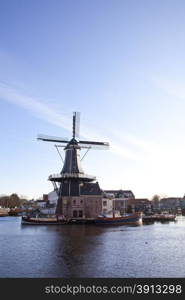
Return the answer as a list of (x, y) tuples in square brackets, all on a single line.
[(90, 189), (121, 193)]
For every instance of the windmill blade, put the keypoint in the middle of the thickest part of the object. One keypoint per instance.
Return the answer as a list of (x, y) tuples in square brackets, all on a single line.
[(48, 138), (94, 145), (76, 124), (83, 146)]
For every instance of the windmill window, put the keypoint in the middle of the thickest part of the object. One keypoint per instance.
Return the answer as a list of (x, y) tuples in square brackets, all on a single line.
[(80, 213), (74, 213)]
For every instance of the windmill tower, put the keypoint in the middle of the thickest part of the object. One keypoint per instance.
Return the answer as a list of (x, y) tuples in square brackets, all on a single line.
[(74, 186)]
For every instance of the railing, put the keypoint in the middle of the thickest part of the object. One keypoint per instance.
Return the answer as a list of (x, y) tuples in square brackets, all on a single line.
[(69, 175)]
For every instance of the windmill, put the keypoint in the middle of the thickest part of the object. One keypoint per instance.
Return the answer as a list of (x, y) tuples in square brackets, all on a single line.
[(72, 178)]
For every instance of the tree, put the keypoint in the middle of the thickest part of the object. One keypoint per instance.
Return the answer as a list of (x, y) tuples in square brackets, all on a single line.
[(4, 201), (12, 201), (156, 201)]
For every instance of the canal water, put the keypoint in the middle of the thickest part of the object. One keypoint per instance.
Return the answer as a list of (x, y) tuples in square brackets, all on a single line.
[(73, 251)]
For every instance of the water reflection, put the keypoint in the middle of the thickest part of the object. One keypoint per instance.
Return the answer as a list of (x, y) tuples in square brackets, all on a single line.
[(154, 250)]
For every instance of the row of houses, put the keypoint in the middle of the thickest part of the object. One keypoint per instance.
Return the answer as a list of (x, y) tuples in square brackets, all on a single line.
[(172, 204), (90, 206), (120, 200)]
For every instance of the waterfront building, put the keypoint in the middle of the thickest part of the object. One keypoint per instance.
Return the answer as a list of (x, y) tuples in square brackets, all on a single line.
[(120, 198), (170, 203), (107, 205), (139, 204), (182, 205), (51, 200), (52, 197), (128, 205), (85, 205), (41, 203), (124, 194)]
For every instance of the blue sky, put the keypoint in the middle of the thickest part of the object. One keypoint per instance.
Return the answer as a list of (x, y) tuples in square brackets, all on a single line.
[(121, 64)]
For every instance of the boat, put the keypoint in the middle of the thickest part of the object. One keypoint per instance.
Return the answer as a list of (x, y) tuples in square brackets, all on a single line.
[(59, 220), (163, 217), (117, 219), (4, 212)]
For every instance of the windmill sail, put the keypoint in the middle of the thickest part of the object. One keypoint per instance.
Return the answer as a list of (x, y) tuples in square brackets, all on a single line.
[(94, 145), (48, 138), (76, 124)]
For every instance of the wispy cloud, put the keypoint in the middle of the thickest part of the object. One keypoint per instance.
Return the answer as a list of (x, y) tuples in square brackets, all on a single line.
[(47, 113), (140, 144), (35, 106)]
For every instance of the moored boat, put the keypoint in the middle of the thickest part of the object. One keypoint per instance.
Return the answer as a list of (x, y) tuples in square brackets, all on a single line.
[(160, 218), (26, 220), (4, 212), (116, 219)]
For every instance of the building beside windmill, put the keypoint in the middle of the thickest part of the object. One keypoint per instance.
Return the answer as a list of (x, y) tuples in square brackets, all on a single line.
[(79, 194)]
